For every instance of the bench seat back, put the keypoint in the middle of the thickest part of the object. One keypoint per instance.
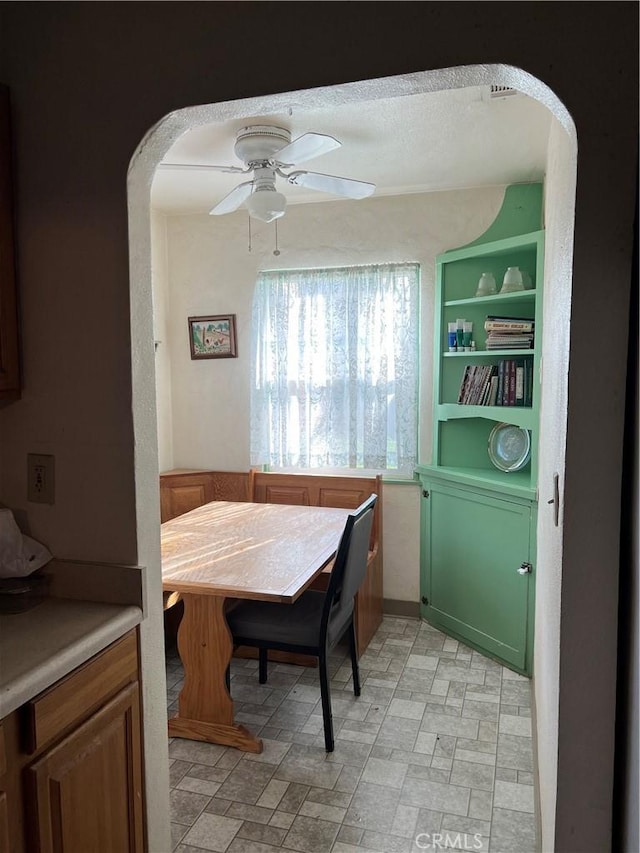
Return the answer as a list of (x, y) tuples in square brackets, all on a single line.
[(320, 490)]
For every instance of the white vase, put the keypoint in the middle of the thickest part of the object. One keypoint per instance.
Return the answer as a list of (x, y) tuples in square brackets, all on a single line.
[(512, 280), (486, 285)]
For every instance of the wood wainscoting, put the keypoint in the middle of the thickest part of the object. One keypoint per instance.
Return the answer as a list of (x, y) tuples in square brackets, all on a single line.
[(184, 489)]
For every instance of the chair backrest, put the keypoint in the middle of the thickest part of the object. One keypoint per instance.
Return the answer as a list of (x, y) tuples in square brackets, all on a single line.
[(350, 564)]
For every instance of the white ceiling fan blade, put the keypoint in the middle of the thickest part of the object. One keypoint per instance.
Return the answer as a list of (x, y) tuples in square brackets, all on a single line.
[(234, 199), (332, 184), (195, 167), (305, 147)]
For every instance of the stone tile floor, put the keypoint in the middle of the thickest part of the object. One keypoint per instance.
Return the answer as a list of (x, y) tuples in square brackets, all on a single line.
[(434, 755)]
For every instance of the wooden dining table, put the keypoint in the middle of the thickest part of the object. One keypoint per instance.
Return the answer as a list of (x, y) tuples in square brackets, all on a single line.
[(223, 551)]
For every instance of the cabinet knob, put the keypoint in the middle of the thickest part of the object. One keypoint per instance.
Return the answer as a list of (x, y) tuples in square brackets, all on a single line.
[(525, 569)]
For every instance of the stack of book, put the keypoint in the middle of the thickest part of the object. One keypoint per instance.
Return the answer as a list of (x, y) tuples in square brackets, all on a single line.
[(509, 332), (507, 383), (479, 386)]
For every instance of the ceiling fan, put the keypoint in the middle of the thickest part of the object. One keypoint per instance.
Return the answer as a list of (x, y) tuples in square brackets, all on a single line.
[(265, 151)]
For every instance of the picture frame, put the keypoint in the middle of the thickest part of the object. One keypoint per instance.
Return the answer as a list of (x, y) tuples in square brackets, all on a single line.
[(213, 336)]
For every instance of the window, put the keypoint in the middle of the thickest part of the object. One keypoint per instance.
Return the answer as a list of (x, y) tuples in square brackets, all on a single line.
[(335, 368)]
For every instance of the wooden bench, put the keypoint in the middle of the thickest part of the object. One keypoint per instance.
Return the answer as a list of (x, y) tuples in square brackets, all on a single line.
[(182, 490), (335, 491)]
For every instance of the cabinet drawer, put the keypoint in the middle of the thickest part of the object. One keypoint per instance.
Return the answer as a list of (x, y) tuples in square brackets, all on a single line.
[(74, 698)]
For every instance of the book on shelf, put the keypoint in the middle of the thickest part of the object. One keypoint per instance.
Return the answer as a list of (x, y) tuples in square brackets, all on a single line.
[(493, 393), (514, 342), (481, 388), (473, 384), (508, 324), (476, 387), (528, 382), (470, 384), (502, 318), (519, 389), (509, 332), (509, 340), (509, 389), (507, 383), (513, 380), (464, 385), (490, 387), (500, 393)]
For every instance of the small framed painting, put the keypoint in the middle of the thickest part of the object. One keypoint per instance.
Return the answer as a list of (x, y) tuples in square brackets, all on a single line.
[(213, 337)]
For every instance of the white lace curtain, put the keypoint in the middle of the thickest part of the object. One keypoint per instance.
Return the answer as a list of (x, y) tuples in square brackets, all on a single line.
[(335, 368)]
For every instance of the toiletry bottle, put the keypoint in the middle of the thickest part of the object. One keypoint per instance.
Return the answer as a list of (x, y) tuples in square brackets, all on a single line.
[(459, 333), (467, 329), (453, 344)]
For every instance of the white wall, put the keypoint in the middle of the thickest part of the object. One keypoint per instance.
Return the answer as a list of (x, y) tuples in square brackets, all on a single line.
[(211, 271), (161, 304), (559, 202)]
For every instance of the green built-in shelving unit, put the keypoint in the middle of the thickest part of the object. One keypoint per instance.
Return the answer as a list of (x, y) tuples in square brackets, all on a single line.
[(478, 522)]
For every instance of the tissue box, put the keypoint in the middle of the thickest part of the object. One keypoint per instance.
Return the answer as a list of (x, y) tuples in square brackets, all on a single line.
[(18, 595)]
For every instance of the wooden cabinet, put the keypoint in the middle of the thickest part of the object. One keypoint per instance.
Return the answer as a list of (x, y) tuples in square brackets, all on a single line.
[(9, 359), (82, 793), (182, 490), (478, 519), (73, 780)]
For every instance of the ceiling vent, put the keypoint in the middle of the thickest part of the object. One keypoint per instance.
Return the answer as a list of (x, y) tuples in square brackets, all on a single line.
[(501, 91)]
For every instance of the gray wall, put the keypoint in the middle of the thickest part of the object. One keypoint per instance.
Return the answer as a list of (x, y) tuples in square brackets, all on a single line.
[(88, 80)]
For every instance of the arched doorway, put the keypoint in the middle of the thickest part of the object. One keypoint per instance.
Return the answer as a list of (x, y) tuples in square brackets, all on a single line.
[(560, 199)]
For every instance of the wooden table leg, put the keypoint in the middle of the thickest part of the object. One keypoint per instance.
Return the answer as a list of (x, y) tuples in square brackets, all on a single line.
[(205, 708)]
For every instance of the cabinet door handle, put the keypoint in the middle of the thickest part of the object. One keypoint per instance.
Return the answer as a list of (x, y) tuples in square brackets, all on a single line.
[(525, 569)]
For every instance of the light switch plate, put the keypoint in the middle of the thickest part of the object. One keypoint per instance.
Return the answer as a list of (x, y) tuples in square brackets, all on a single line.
[(40, 478)]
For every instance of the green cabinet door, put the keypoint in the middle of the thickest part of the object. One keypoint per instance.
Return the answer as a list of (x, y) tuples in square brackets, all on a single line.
[(473, 546)]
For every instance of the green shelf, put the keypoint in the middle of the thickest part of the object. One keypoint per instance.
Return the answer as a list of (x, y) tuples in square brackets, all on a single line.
[(493, 248), (478, 523), (504, 298), (483, 353), (515, 484), (521, 416)]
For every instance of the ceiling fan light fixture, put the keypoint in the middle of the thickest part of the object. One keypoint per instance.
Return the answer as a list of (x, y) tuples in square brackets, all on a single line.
[(265, 151), (266, 204)]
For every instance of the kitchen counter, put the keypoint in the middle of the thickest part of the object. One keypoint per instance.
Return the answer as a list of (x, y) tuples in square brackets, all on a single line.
[(42, 645)]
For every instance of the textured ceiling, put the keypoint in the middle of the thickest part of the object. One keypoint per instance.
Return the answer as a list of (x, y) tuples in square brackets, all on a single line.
[(414, 143)]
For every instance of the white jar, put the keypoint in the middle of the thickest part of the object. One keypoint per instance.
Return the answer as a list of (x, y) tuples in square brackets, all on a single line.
[(512, 280), (486, 285)]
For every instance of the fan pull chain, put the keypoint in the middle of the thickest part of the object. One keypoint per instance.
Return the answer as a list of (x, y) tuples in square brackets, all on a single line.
[(249, 223), (276, 251)]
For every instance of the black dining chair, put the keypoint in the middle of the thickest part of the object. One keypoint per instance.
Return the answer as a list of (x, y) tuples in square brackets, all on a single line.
[(316, 621)]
